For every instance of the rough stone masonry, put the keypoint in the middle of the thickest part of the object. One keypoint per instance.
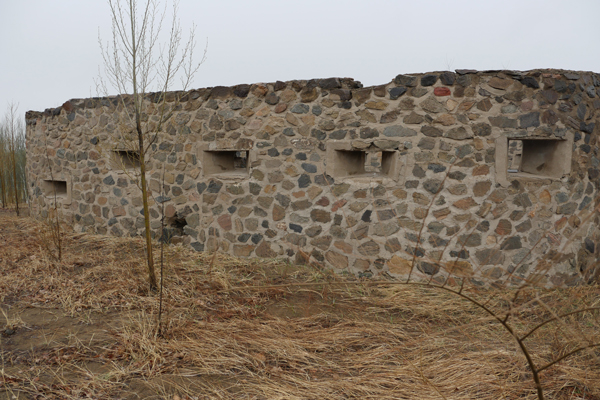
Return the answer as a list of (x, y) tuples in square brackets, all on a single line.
[(488, 176)]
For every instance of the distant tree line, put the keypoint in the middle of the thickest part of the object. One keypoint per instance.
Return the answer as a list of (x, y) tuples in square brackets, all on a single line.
[(13, 180)]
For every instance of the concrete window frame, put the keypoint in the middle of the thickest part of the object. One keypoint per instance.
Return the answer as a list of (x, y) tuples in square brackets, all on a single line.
[(62, 185), (221, 163), (541, 158), (345, 161)]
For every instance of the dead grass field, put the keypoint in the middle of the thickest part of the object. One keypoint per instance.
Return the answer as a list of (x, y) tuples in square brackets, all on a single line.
[(86, 327)]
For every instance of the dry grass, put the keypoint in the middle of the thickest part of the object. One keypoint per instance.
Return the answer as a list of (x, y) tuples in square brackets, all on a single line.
[(244, 329)]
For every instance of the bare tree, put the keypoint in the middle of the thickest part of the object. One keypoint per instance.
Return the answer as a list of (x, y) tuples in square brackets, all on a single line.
[(143, 68)]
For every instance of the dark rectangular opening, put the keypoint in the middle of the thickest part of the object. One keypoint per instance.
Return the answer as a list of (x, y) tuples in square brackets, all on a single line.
[(225, 162), (350, 162), (54, 187), (360, 162), (127, 159)]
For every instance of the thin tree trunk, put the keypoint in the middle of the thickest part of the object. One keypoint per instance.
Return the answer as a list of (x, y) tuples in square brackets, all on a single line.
[(14, 164), (149, 255), (2, 183)]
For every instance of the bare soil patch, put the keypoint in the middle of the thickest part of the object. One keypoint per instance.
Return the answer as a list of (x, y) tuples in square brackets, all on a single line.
[(86, 327)]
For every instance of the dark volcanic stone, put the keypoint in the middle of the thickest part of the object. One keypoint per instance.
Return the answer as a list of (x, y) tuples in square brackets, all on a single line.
[(448, 78), (304, 181), (330, 83), (428, 268), (589, 245), (295, 228), (214, 187), (429, 80), (366, 217), (531, 82), (397, 92), (512, 243)]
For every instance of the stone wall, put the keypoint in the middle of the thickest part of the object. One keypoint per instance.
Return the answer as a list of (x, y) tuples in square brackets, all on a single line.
[(480, 174)]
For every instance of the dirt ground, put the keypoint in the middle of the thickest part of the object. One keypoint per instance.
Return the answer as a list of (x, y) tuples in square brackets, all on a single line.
[(86, 326)]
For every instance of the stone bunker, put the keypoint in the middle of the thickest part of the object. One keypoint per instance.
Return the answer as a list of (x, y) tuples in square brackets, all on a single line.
[(490, 176)]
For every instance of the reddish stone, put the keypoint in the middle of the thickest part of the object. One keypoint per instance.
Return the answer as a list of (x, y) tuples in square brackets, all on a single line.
[(323, 202), (441, 91), (337, 205), (527, 105), (278, 213), (170, 211), (504, 227), (560, 224), (225, 222), (464, 204), (281, 107), (67, 106)]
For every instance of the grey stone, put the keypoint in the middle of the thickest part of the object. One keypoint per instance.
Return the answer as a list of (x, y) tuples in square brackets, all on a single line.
[(459, 133), (436, 168), (300, 108), (529, 120), (289, 132), (427, 143), (406, 80), (432, 185), (470, 240), (398, 131), (482, 129), (503, 122), (567, 209), (430, 131), (591, 91), (214, 186), (310, 168), (369, 133), (304, 181), (432, 105)]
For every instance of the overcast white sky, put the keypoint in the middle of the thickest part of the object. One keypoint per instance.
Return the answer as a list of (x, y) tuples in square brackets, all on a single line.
[(49, 48)]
